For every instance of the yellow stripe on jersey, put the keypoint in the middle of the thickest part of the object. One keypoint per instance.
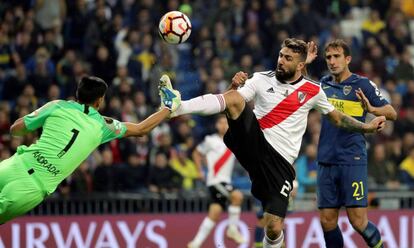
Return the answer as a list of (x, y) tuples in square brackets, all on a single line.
[(348, 107)]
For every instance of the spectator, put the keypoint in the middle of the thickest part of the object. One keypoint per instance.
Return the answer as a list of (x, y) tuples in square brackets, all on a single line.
[(81, 182), (134, 174), (122, 76), (102, 64), (105, 176), (162, 140), (373, 24), (407, 169), (382, 173), (15, 84), (53, 44), (253, 47), (306, 22), (41, 71), (76, 25), (7, 56), (78, 70), (165, 66), (25, 46), (142, 108), (4, 126), (128, 112), (64, 68), (46, 46), (306, 170), (185, 167), (97, 32), (162, 178), (404, 70), (408, 99), (47, 12)]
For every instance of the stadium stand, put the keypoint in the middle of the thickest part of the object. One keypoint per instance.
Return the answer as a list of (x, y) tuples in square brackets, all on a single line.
[(47, 45)]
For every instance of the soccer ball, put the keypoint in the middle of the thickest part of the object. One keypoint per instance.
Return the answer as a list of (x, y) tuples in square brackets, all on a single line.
[(174, 27)]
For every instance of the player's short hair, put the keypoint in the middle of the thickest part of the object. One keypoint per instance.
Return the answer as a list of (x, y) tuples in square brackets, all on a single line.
[(297, 46), (337, 44), (90, 89)]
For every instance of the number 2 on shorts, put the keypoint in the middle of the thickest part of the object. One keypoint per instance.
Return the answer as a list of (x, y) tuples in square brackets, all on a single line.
[(286, 188)]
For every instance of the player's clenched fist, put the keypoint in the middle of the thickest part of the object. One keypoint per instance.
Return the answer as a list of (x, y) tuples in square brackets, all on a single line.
[(238, 79), (377, 124)]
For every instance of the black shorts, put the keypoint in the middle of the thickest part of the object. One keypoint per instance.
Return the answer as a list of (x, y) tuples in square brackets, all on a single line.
[(271, 175), (220, 193)]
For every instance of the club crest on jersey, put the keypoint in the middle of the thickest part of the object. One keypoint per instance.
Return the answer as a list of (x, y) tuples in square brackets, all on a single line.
[(347, 89), (301, 96)]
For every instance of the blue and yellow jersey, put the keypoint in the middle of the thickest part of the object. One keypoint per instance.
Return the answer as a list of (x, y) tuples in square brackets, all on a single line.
[(336, 145)]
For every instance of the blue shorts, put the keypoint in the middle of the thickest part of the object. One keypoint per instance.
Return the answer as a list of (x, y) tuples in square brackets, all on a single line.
[(342, 185)]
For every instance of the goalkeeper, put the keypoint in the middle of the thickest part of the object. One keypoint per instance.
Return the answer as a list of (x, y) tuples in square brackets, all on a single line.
[(71, 131)]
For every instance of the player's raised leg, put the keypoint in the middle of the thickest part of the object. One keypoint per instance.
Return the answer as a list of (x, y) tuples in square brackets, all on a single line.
[(210, 104)]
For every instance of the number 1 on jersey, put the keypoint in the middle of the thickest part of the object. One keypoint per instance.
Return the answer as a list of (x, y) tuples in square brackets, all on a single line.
[(70, 143)]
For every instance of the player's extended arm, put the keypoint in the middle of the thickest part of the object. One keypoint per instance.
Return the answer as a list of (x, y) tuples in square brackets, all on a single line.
[(19, 128), (351, 124), (387, 110), (145, 126)]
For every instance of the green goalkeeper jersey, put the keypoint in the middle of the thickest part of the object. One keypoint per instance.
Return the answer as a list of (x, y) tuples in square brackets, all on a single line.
[(71, 131)]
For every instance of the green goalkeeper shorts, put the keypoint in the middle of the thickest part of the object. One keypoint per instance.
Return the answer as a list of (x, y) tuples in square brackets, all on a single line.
[(19, 190)]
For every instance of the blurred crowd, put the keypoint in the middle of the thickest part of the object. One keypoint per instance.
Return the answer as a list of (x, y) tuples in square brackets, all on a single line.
[(46, 46)]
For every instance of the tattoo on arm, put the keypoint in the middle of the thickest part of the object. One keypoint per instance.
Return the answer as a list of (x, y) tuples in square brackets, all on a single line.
[(350, 124)]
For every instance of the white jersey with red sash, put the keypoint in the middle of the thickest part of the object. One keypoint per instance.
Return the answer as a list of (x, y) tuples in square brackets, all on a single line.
[(282, 109), (220, 159)]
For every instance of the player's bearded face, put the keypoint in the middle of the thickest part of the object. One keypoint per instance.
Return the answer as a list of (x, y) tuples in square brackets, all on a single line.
[(285, 72)]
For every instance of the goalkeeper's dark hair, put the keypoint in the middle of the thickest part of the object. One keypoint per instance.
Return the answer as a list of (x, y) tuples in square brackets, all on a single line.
[(337, 44), (297, 46), (90, 89)]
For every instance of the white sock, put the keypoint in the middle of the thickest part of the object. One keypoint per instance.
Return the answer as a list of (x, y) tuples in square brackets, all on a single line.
[(203, 105), (269, 243), (203, 231), (234, 215)]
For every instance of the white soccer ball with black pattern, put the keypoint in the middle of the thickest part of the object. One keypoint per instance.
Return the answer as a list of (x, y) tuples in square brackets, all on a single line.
[(174, 27)]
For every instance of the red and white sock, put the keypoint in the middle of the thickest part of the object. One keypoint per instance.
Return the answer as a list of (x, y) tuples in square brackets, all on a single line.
[(203, 105)]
